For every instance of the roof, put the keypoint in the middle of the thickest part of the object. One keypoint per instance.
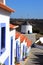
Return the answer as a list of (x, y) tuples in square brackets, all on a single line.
[(17, 35), (22, 38), (6, 8), (29, 42), (13, 26)]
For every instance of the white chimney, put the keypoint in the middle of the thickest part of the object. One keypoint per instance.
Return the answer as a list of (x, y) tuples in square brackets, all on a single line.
[(2, 1)]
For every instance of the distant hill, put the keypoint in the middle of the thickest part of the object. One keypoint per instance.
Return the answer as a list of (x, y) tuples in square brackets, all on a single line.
[(36, 23)]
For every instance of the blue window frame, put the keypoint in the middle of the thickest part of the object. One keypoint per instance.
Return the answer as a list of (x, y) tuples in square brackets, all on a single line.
[(6, 61), (2, 37), (17, 52), (11, 48)]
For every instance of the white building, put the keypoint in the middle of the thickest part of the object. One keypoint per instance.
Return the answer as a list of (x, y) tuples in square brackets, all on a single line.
[(8, 42), (24, 46), (6, 36), (26, 29)]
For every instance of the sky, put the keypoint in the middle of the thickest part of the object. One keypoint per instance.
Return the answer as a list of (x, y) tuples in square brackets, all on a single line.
[(26, 8)]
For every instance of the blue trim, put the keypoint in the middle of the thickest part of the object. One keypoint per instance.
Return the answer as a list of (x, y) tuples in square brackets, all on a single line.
[(11, 52), (17, 52), (11, 48), (3, 35), (23, 57), (6, 61), (3, 24)]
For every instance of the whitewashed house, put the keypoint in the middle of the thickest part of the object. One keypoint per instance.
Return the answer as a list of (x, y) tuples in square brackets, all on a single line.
[(7, 39), (29, 43), (23, 43), (20, 41), (24, 46), (17, 53)]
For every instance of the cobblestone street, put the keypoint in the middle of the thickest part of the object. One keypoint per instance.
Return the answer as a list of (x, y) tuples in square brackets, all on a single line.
[(35, 57)]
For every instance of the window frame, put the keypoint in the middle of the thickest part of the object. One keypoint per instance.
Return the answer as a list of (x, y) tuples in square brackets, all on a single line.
[(2, 37), (11, 49), (1, 26)]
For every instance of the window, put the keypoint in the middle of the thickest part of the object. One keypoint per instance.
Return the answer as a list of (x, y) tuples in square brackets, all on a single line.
[(2, 37)]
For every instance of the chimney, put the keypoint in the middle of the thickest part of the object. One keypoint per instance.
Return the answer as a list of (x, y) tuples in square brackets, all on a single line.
[(2, 1)]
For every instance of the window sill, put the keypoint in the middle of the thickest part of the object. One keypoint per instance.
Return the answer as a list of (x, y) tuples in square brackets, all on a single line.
[(2, 50)]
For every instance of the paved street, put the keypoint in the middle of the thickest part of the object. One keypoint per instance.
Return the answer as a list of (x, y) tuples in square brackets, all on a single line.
[(35, 57)]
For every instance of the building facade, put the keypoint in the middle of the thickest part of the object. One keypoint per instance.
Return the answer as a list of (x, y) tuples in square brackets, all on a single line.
[(10, 41)]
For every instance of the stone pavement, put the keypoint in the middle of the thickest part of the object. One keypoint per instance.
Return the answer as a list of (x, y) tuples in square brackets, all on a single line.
[(35, 57)]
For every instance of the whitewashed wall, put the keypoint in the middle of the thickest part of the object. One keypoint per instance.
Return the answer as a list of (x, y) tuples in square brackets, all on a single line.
[(4, 18), (28, 51), (26, 28), (15, 45), (23, 43), (12, 34)]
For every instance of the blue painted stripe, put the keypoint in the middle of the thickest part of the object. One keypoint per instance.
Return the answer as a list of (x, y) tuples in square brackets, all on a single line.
[(6, 61)]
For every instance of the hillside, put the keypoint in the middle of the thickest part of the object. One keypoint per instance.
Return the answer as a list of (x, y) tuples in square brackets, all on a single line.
[(36, 23)]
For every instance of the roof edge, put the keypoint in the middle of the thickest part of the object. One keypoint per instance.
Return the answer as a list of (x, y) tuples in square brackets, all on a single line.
[(6, 8)]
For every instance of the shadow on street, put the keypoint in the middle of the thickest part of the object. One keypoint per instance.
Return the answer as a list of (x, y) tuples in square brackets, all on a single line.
[(38, 60), (35, 57)]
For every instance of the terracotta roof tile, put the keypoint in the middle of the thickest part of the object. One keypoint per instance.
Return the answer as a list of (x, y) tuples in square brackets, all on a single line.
[(29, 43), (17, 35), (22, 38), (13, 26)]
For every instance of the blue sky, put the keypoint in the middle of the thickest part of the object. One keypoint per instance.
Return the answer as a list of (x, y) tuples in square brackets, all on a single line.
[(26, 8)]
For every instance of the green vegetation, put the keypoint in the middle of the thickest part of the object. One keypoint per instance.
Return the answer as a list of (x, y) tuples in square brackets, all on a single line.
[(35, 30)]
